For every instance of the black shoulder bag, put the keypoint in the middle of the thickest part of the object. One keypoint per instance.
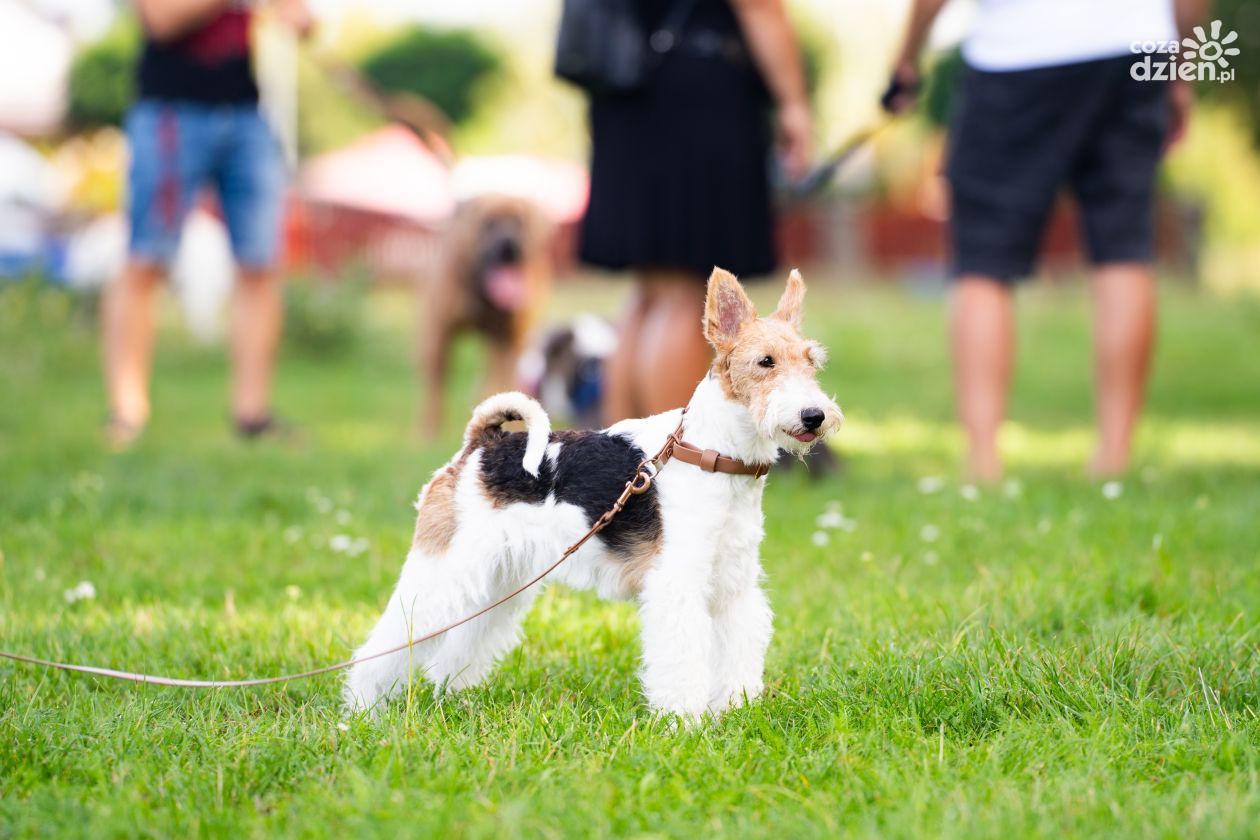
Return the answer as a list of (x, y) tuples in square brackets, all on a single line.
[(603, 48)]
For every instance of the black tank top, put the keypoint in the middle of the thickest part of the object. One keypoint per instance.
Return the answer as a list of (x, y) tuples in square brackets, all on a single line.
[(210, 65)]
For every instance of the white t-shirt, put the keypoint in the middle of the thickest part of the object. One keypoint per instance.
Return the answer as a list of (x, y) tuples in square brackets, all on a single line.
[(1023, 34)]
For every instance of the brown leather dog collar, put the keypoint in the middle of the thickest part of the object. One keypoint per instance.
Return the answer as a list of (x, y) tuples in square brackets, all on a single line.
[(709, 460)]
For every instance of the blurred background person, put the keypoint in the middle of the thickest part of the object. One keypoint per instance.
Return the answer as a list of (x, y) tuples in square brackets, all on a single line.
[(196, 123), (1046, 101), (680, 183)]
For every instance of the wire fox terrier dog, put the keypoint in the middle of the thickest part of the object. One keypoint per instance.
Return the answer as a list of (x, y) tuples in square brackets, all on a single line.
[(509, 503)]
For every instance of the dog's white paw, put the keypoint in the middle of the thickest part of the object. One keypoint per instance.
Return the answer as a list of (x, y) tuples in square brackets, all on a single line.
[(732, 698), (674, 722)]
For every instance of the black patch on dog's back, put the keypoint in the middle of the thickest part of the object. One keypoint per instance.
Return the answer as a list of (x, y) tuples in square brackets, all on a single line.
[(590, 472), (505, 479)]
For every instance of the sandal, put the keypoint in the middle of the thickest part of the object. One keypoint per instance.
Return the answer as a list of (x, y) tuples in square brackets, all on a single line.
[(120, 434), (266, 426)]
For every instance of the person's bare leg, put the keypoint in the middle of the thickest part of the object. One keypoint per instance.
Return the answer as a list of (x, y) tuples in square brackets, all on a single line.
[(1124, 334), (127, 331), (620, 400), (983, 341), (257, 319), (673, 354)]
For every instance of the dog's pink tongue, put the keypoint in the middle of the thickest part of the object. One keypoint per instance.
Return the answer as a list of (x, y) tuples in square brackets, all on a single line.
[(805, 437), (505, 286)]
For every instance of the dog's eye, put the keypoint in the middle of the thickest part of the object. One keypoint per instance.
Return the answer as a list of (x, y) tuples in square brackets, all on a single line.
[(766, 362)]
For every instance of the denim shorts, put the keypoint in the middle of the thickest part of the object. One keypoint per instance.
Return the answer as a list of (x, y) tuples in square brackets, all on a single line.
[(177, 149)]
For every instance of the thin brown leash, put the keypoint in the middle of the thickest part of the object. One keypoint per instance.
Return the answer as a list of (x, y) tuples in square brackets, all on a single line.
[(639, 484)]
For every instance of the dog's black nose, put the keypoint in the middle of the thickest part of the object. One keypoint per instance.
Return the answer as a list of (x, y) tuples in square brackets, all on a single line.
[(812, 418), (506, 250)]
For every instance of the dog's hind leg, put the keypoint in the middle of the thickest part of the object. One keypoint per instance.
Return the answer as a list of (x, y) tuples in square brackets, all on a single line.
[(469, 653), (419, 605)]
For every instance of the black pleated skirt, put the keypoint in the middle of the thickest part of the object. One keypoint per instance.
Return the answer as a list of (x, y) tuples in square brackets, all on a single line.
[(680, 172)]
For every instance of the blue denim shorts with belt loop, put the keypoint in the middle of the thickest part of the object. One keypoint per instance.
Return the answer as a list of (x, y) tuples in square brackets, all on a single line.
[(178, 149)]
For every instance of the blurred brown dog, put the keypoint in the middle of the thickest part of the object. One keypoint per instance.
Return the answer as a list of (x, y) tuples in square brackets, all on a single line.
[(494, 279)]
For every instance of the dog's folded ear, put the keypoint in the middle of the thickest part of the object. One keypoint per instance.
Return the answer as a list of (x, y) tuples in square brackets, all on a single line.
[(726, 310), (793, 297)]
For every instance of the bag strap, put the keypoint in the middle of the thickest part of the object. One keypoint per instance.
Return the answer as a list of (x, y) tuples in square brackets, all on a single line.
[(666, 36)]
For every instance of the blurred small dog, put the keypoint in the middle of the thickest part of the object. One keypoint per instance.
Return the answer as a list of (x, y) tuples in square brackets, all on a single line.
[(494, 279), (564, 370)]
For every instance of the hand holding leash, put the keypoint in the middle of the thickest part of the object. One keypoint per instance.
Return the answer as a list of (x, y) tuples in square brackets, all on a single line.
[(817, 179), (902, 92)]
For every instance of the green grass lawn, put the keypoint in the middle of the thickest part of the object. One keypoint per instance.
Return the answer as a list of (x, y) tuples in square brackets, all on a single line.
[(1035, 660)]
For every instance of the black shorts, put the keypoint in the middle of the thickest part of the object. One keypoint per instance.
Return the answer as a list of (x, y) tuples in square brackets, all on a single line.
[(1017, 137)]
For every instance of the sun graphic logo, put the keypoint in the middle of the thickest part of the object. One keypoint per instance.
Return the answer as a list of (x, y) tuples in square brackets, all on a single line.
[(1214, 49), (1203, 58)]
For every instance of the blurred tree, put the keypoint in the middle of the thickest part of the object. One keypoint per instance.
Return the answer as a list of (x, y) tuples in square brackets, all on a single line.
[(329, 117), (102, 78), (443, 66), (940, 83), (817, 50), (1243, 93)]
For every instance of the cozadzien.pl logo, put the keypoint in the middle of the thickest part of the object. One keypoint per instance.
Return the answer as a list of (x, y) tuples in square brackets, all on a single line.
[(1202, 58)]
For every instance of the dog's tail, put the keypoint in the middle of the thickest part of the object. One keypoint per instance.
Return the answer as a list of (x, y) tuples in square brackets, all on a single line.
[(489, 417)]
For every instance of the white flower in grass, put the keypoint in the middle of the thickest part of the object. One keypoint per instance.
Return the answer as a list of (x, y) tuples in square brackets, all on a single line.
[(1112, 490), (345, 544), (830, 519), (293, 591), (834, 519), (931, 484), (969, 492), (1012, 488), (821, 538), (318, 500), (343, 726), (929, 533), (84, 591)]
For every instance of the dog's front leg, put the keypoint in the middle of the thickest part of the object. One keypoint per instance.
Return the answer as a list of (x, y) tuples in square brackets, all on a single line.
[(677, 635), (435, 347), (742, 627), (501, 365)]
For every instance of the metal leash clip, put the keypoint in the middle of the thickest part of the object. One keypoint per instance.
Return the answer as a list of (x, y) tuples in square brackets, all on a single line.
[(642, 482)]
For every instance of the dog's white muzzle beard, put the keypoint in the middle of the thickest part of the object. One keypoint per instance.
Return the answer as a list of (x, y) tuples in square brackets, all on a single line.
[(787, 421)]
